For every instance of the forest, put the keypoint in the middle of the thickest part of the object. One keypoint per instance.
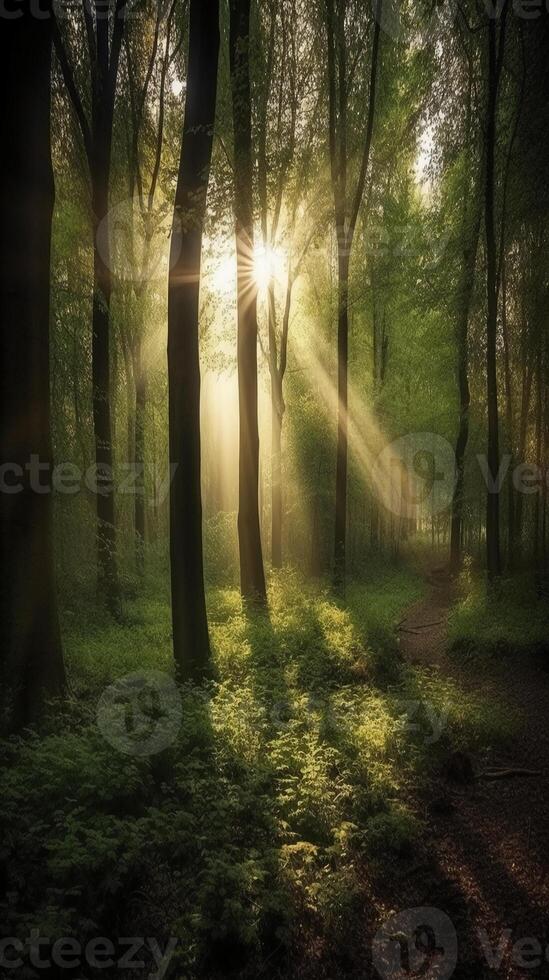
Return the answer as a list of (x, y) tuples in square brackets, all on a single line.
[(274, 477)]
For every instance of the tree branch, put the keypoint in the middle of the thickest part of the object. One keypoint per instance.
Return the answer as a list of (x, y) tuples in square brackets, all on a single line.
[(370, 124), (68, 77)]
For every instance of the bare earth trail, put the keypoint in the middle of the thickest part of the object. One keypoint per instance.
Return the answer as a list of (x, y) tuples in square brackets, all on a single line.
[(486, 847)]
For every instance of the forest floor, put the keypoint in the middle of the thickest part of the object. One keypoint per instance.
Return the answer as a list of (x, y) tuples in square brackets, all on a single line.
[(350, 762), (485, 852)]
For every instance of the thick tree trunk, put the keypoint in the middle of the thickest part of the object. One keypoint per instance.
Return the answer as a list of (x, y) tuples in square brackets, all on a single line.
[(252, 575), (31, 661), (190, 624)]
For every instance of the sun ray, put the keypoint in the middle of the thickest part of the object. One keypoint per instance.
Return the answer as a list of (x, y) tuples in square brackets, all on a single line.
[(384, 474)]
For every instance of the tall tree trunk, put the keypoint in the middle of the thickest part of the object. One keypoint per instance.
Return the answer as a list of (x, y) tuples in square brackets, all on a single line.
[(104, 53), (101, 380), (276, 489), (527, 379), (31, 661), (346, 212), (278, 410), (252, 575), (509, 416), (539, 439), (340, 530), (140, 378), (462, 332), (544, 491), (495, 58), (190, 624)]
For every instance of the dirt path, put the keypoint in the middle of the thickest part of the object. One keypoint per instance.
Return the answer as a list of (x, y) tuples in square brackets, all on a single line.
[(486, 848)]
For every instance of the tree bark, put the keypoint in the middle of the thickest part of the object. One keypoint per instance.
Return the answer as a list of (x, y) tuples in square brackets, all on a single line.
[(101, 394), (276, 469), (495, 59), (140, 377), (252, 575), (340, 530), (346, 212), (527, 380), (464, 305), (138, 101), (104, 54), (190, 624), (31, 660), (278, 409), (509, 417), (539, 439)]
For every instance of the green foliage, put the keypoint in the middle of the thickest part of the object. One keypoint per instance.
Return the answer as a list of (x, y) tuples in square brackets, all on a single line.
[(221, 548), (508, 620), (291, 774)]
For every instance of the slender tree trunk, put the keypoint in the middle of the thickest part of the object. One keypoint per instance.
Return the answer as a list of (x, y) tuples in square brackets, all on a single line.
[(276, 489), (340, 538), (31, 661), (252, 575), (278, 409), (101, 382), (190, 624), (140, 418), (509, 422), (545, 471), (527, 379), (492, 509), (100, 168), (464, 306), (130, 397), (346, 212), (104, 53), (539, 438)]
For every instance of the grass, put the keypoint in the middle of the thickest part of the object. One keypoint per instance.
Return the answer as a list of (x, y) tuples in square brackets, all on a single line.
[(511, 620), (291, 778)]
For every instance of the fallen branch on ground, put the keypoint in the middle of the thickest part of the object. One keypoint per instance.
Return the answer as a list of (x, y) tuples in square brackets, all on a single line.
[(508, 773), (416, 629)]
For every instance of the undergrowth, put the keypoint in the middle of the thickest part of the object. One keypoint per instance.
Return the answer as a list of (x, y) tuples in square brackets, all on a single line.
[(291, 779), (499, 621)]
